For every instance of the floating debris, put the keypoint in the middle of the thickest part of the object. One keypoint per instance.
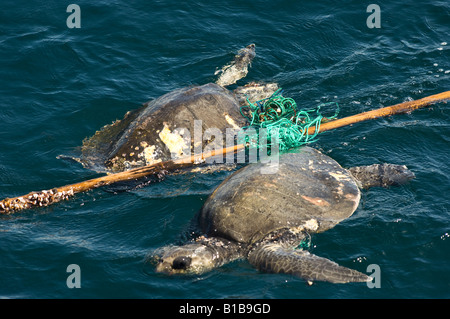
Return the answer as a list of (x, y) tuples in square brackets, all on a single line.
[(34, 199)]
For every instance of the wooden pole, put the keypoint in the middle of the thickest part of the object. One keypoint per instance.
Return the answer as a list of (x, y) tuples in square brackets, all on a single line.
[(47, 197), (385, 111)]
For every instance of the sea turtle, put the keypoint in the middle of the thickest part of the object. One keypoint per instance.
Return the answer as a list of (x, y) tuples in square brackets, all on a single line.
[(265, 217), (165, 128)]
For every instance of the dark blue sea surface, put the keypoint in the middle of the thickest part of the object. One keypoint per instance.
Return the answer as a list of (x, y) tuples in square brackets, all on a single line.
[(60, 85)]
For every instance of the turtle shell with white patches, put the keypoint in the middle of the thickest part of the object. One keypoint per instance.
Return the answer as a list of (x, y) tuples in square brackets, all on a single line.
[(164, 129), (309, 189)]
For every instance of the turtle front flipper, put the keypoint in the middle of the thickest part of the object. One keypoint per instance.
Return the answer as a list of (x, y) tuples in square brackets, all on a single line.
[(238, 68), (382, 175), (276, 258)]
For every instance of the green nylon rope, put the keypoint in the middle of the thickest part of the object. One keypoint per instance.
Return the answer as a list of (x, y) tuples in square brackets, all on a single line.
[(283, 121)]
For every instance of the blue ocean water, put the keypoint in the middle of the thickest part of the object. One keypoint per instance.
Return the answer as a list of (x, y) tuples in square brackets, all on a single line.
[(60, 85)]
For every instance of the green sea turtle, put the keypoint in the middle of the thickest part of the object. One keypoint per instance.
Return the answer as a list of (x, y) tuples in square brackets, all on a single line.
[(265, 217), (165, 128)]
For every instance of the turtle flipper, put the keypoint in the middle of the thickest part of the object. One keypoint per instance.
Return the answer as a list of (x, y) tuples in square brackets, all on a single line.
[(383, 175), (276, 258), (238, 68), (96, 149)]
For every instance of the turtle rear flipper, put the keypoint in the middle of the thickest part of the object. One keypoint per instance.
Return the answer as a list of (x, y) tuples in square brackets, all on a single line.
[(383, 175), (96, 149), (276, 258)]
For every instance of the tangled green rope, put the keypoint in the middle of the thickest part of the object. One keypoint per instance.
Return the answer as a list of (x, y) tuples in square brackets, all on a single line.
[(283, 121)]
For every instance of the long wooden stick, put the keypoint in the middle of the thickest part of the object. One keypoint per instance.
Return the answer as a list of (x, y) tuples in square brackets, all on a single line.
[(47, 197), (385, 111)]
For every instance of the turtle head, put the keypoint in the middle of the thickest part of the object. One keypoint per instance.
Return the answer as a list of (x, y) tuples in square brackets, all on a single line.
[(187, 259), (196, 257)]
